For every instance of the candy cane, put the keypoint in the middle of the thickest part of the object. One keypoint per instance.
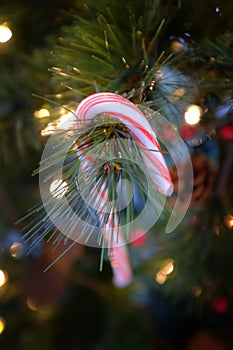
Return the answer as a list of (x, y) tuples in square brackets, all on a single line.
[(119, 257), (118, 253), (130, 115), (134, 119)]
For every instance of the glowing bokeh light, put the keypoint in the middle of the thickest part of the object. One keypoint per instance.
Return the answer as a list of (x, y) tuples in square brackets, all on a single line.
[(5, 33), (229, 221), (42, 113), (160, 277), (193, 114), (3, 278), (2, 324), (31, 305), (65, 122), (169, 267), (17, 250)]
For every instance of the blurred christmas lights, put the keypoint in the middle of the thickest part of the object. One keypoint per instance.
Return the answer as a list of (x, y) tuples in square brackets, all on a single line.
[(65, 122), (161, 275), (3, 278), (17, 250), (31, 305), (2, 324), (42, 113), (229, 221), (193, 114), (5, 33)]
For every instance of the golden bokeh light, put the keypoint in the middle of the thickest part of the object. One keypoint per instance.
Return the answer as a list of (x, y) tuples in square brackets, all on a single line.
[(5, 33), (31, 305), (193, 114), (2, 324), (160, 277), (65, 122), (42, 113), (3, 278), (17, 250), (229, 221), (168, 267)]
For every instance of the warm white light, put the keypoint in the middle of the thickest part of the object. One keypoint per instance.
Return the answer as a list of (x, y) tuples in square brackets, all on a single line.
[(5, 33), (58, 188), (48, 130), (42, 113), (177, 46), (31, 305), (160, 277), (229, 221), (17, 250), (3, 278), (2, 324), (193, 114), (65, 122), (169, 267)]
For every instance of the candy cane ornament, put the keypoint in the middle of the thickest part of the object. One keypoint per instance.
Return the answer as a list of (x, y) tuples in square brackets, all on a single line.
[(118, 253), (131, 116)]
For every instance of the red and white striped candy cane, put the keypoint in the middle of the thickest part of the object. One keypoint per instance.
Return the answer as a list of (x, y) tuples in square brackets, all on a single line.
[(134, 119), (118, 252), (130, 115)]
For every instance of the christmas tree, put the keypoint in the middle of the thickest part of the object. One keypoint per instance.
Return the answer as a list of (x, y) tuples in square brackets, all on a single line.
[(123, 114)]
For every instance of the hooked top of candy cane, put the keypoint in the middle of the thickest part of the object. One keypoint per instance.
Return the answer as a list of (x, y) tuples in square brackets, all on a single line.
[(130, 115)]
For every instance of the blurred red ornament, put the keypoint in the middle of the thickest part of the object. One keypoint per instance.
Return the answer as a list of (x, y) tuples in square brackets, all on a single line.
[(187, 132), (226, 132), (140, 238), (220, 304)]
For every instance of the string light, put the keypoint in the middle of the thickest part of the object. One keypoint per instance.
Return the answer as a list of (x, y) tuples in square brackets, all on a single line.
[(5, 33), (49, 130), (65, 122), (3, 278), (168, 267), (160, 277), (17, 250), (42, 113), (2, 324), (229, 221), (58, 188), (193, 114), (31, 305)]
